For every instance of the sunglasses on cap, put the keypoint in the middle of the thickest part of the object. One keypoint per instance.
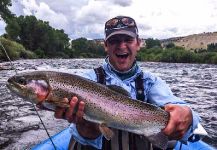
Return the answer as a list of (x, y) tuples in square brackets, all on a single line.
[(120, 22)]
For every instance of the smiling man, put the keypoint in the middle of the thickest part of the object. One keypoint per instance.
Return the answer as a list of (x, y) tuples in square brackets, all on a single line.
[(122, 50), (120, 68), (122, 42)]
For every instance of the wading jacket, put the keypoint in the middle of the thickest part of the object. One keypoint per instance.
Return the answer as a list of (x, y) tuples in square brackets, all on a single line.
[(156, 91)]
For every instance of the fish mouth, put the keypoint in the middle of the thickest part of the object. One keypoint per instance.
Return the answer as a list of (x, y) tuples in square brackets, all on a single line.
[(15, 90), (13, 86), (20, 90)]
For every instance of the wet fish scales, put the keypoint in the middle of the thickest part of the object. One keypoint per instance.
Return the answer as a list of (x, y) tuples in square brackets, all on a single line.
[(102, 105)]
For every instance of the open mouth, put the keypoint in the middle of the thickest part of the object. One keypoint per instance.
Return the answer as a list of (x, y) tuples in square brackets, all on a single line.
[(125, 55)]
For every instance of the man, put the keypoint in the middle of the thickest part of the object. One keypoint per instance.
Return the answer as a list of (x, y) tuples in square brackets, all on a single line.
[(122, 44)]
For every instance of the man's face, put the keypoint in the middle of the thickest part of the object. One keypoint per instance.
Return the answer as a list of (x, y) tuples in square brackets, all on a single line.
[(122, 50)]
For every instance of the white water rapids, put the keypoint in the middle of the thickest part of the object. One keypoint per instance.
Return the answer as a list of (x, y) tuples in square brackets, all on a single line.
[(20, 127)]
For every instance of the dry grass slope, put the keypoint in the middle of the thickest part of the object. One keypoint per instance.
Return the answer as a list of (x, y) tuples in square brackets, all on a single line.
[(195, 41)]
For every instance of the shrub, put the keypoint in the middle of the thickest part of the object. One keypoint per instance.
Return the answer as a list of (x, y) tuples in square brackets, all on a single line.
[(14, 50)]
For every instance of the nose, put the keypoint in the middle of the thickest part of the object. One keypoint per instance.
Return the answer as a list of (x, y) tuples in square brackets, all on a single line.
[(122, 44)]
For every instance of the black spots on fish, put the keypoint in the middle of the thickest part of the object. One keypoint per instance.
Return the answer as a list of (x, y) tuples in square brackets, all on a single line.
[(65, 83), (58, 84), (155, 119), (51, 80), (126, 118), (92, 105)]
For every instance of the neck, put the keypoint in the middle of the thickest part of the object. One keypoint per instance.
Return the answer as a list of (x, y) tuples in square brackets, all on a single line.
[(124, 74)]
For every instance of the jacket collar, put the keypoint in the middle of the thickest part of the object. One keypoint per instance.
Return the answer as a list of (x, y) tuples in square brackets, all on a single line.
[(133, 71)]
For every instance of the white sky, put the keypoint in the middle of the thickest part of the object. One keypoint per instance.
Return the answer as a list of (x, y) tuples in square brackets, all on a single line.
[(155, 18)]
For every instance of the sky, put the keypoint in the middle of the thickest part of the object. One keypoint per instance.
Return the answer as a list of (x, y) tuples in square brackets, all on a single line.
[(159, 19)]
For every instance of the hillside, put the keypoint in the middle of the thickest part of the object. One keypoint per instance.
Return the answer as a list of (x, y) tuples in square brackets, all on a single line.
[(195, 41)]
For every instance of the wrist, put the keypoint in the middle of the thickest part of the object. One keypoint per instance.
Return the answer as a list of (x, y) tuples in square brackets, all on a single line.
[(89, 132)]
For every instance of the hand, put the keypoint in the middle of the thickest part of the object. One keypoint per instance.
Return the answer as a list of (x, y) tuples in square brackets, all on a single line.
[(179, 122), (85, 128)]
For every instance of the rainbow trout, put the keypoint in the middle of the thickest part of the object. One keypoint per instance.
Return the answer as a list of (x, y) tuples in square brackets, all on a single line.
[(103, 104)]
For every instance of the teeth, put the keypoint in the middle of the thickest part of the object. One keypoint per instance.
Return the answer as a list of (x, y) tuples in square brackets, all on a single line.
[(123, 55)]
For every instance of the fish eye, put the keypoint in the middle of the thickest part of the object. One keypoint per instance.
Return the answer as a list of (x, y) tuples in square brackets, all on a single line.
[(22, 81)]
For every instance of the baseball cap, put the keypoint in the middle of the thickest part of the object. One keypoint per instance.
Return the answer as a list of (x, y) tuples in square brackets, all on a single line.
[(121, 25)]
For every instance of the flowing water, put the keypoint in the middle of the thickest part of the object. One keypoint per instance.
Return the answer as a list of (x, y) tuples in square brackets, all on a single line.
[(20, 128)]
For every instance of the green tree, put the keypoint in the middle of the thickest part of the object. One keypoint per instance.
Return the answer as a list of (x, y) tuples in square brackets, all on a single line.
[(13, 29), (5, 13), (87, 48), (170, 45), (37, 35), (212, 47), (150, 43), (80, 45), (213, 59)]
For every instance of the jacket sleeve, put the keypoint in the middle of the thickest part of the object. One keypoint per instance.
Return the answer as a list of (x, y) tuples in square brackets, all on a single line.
[(97, 143), (160, 94)]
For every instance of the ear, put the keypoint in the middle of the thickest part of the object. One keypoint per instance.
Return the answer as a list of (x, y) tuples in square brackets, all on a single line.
[(139, 43), (105, 46)]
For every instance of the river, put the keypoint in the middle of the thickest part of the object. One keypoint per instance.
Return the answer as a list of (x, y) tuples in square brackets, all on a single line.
[(20, 127)]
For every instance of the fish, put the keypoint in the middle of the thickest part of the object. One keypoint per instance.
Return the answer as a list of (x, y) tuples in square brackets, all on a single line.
[(108, 106)]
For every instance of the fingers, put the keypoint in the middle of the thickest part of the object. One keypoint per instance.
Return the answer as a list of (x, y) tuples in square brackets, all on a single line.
[(179, 122), (171, 126), (75, 112), (60, 111), (80, 113), (70, 115)]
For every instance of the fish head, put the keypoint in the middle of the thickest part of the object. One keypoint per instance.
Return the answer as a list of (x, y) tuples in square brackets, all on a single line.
[(32, 87)]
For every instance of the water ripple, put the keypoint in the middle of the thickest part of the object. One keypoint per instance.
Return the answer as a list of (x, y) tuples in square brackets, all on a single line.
[(195, 83)]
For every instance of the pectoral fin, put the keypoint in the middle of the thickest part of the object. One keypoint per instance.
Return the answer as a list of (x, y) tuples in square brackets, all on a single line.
[(46, 106), (107, 133)]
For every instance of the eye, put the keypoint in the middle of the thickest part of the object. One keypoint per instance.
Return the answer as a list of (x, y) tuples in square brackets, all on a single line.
[(128, 40), (113, 41), (22, 81)]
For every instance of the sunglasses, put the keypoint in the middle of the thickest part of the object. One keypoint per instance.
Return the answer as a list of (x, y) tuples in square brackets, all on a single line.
[(122, 22)]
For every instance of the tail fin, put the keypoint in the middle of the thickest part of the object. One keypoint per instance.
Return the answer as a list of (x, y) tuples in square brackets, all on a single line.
[(159, 140)]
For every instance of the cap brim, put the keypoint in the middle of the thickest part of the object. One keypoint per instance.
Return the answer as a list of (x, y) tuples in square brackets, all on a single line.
[(132, 34)]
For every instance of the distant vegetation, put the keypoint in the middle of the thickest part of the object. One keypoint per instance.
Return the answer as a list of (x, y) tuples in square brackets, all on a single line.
[(82, 47), (28, 37), (212, 47), (37, 36), (172, 53), (43, 41)]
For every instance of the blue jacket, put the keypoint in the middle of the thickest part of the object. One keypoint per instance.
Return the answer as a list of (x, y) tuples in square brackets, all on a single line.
[(156, 92)]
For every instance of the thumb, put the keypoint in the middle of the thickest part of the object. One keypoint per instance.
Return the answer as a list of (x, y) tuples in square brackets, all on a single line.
[(169, 107)]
